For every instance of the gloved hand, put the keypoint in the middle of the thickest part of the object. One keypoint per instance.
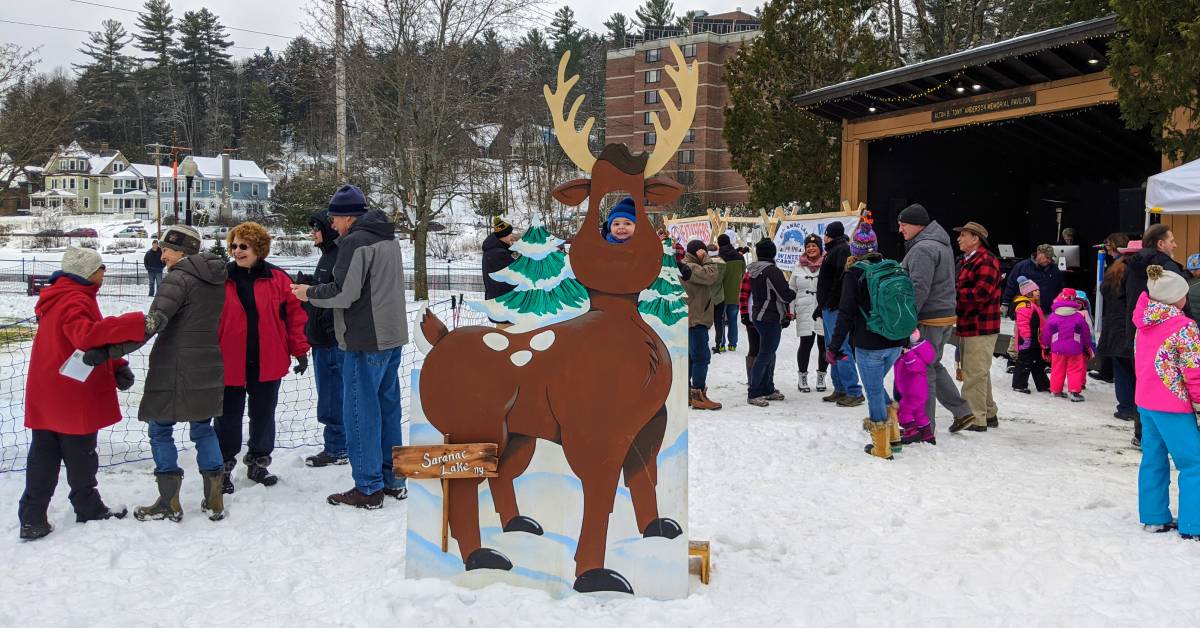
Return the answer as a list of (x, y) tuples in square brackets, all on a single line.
[(301, 365), (833, 357), (746, 320), (124, 377), (785, 322), (816, 316), (97, 356), (155, 322)]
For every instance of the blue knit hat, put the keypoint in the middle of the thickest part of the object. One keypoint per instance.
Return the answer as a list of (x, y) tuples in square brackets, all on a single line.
[(624, 209), (348, 201), (864, 240)]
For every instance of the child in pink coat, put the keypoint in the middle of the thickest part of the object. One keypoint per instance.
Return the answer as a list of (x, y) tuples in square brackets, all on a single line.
[(1167, 363), (1069, 338), (910, 374)]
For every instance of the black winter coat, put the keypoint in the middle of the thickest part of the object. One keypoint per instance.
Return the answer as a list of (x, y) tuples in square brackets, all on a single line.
[(1114, 333), (319, 328), (1135, 282), (853, 308), (496, 256), (153, 260), (829, 277), (770, 294)]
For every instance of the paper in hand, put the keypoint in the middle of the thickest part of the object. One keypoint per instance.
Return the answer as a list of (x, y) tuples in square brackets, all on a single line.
[(75, 368)]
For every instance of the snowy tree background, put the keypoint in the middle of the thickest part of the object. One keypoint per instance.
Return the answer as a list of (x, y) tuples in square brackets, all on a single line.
[(664, 305), (546, 289)]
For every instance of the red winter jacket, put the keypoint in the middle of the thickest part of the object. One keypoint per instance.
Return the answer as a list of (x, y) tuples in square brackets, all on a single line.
[(69, 319), (280, 328)]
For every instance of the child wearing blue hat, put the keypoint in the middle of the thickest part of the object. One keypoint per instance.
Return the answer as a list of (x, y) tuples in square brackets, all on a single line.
[(622, 221)]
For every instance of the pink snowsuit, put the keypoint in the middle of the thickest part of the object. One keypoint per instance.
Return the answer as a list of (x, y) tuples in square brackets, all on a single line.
[(910, 373)]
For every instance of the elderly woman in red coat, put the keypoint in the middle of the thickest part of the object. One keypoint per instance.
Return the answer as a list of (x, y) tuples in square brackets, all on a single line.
[(64, 411), (261, 329)]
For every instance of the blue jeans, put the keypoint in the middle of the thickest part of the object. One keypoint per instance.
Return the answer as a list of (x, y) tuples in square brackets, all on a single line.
[(327, 369), (762, 374), (1123, 382), (166, 455), (155, 277), (842, 372), (1175, 434), (371, 415), (727, 319), (699, 355), (873, 366)]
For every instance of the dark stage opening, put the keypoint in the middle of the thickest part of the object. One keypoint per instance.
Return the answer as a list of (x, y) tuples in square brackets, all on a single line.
[(1012, 175)]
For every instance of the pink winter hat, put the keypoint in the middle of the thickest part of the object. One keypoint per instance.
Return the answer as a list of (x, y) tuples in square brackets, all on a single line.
[(915, 337), (1026, 285)]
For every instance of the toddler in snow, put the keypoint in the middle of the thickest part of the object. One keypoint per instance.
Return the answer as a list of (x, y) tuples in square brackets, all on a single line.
[(1167, 363), (1030, 321), (1069, 338), (911, 382)]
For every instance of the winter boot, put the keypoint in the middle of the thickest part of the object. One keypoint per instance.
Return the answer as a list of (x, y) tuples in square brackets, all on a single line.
[(850, 402), (718, 349), (693, 397), (256, 469), (356, 498), (918, 435), (167, 505), (820, 381), (1076, 397), (962, 422), (703, 402), (775, 396), (760, 402), (834, 397), (893, 423), (802, 385), (881, 444), (227, 477), (325, 459), (103, 515), (35, 531), (214, 495)]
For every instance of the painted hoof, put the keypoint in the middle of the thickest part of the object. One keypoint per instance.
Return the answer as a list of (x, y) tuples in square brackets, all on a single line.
[(602, 580), (521, 523), (665, 528), (484, 558)]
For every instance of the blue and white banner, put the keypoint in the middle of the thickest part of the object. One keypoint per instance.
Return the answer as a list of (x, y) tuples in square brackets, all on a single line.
[(789, 237)]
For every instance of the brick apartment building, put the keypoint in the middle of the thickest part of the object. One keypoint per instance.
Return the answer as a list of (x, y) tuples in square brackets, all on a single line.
[(634, 74)]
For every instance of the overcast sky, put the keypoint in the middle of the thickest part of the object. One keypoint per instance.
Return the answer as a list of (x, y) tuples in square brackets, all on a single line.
[(59, 48)]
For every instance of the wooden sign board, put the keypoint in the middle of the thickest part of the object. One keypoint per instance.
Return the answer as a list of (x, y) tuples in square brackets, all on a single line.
[(991, 105), (446, 462)]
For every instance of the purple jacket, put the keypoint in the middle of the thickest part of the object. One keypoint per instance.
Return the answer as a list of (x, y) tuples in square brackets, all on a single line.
[(1067, 331), (910, 371)]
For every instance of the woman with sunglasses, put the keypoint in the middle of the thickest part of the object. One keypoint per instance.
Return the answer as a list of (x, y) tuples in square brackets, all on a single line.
[(262, 327)]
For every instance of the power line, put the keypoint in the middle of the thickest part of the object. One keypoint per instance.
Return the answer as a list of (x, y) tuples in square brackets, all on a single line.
[(81, 30), (127, 10)]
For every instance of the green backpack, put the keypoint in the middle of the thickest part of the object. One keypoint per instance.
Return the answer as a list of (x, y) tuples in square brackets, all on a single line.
[(893, 312)]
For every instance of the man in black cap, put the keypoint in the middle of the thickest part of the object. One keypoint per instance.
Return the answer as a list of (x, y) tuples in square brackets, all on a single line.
[(847, 392), (497, 255), (929, 260)]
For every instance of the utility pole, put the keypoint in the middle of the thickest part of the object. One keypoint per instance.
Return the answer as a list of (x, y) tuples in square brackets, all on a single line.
[(339, 64), (158, 151)]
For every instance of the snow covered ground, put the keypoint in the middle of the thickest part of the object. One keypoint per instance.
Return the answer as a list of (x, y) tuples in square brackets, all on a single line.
[(1031, 524)]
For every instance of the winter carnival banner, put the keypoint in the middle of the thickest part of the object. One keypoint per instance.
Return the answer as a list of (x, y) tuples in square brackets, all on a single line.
[(789, 237), (684, 232)]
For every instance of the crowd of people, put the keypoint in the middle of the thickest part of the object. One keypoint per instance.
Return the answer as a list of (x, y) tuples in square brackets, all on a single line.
[(228, 332)]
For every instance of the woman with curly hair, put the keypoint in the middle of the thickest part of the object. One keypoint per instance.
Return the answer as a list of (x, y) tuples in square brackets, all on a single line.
[(262, 327)]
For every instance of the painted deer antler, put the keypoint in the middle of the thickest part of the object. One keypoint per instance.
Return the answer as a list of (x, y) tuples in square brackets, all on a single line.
[(574, 141), (686, 79)]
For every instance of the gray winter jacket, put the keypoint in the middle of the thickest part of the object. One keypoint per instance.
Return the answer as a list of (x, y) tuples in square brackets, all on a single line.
[(185, 379), (367, 292), (929, 260)]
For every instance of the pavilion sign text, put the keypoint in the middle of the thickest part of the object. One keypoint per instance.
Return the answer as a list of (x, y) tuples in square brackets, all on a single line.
[(992, 105)]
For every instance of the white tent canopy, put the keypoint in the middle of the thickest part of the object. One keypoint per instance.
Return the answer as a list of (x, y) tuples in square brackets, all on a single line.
[(1176, 191)]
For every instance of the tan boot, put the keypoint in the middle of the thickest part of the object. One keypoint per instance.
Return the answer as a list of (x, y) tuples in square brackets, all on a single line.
[(881, 444), (893, 423), (704, 403), (693, 395)]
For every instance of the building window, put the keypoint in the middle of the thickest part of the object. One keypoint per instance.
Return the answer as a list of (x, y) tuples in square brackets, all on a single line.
[(87, 184), (62, 164), (651, 97), (686, 177), (118, 166), (254, 190), (212, 187), (687, 156), (237, 187), (654, 56), (690, 137), (87, 202), (689, 51), (646, 118), (653, 76), (72, 184), (651, 138)]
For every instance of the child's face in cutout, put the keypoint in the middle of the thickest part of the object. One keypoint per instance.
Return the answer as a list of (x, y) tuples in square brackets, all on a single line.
[(622, 228)]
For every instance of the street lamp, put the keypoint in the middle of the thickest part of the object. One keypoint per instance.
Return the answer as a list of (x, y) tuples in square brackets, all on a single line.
[(189, 173)]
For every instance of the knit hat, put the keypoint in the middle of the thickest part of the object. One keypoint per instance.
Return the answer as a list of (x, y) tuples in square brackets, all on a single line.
[(695, 246), (835, 229), (181, 238), (764, 250), (723, 240), (625, 208), (914, 214), (501, 228), (916, 335), (814, 239), (80, 261), (1165, 287), (1026, 285), (863, 240), (348, 201)]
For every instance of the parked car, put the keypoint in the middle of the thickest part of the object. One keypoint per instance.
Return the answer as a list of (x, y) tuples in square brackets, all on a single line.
[(217, 233), (83, 232), (131, 232)]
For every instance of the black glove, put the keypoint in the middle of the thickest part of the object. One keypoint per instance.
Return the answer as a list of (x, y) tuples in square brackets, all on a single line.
[(816, 314), (97, 356), (301, 365), (746, 320), (785, 323), (124, 377), (155, 322)]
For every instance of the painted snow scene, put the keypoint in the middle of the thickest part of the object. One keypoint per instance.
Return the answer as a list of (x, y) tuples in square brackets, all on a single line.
[(584, 501)]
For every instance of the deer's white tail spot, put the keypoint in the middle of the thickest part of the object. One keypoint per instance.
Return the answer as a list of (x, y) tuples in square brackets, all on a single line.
[(521, 358), (422, 342), (542, 341), (496, 342)]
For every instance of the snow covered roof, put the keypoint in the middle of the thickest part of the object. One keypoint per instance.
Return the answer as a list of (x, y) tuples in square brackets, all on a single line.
[(124, 174), (55, 192), (100, 163), (485, 135), (73, 150), (210, 168), (147, 170)]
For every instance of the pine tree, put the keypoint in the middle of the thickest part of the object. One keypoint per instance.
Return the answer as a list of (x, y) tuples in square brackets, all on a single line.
[(156, 34), (546, 289), (103, 83), (656, 14), (618, 28), (664, 306), (260, 129), (202, 46)]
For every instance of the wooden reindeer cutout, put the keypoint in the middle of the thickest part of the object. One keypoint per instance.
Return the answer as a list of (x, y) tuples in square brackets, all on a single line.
[(595, 384)]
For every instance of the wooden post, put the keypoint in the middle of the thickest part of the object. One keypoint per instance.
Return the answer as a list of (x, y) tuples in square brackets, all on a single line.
[(446, 509)]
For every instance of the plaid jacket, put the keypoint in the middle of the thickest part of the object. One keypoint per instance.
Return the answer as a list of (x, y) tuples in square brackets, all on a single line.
[(979, 291), (744, 295)]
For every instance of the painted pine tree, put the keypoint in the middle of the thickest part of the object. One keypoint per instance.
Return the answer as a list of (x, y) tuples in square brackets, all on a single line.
[(664, 305), (546, 289)]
